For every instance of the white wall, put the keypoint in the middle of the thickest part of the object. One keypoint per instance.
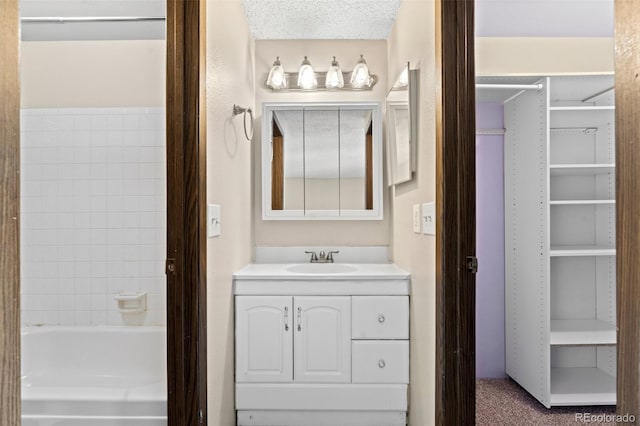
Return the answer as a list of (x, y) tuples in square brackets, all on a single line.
[(100, 74), (230, 53), (543, 55), (320, 52), (413, 39)]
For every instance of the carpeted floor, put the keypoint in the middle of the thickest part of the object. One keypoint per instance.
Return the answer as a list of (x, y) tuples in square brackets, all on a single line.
[(503, 402)]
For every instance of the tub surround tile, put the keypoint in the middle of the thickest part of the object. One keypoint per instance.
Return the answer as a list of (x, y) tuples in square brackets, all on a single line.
[(93, 219)]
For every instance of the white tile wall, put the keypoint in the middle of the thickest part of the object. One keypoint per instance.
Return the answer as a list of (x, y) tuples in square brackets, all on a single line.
[(93, 214)]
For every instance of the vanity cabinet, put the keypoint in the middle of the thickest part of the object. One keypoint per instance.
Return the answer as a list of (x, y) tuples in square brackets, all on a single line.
[(321, 352), (267, 326)]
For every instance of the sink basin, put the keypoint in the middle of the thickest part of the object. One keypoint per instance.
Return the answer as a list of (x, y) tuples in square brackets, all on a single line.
[(321, 268)]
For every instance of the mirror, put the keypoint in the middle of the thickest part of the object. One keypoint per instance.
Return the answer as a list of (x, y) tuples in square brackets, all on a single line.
[(402, 128), (321, 161)]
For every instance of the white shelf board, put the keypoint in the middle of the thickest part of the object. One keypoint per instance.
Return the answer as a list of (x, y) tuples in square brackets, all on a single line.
[(583, 108), (582, 386), (581, 250), (582, 332), (577, 202), (581, 169)]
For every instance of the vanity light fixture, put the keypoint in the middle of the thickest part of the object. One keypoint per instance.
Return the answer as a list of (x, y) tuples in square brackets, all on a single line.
[(306, 76), (360, 76), (334, 78), (277, 77), (309, 80)]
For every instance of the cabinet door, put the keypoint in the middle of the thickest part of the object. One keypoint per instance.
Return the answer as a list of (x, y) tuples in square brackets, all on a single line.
[(264, 339), (322, 339)]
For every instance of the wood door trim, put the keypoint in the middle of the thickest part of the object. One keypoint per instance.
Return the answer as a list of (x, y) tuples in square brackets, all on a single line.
[(186, 214), (627, 86), (455, 204), (9, 214)]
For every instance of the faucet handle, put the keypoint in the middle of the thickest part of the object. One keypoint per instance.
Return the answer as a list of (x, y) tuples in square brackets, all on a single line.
[(330, 255), (314, 256)]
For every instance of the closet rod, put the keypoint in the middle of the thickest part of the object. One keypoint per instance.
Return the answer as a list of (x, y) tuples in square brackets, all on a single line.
[(602, 92), (63, 19), (510, 86)]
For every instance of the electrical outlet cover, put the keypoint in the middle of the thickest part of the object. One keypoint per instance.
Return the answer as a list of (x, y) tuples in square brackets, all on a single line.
[(417, 220), (429, 218)]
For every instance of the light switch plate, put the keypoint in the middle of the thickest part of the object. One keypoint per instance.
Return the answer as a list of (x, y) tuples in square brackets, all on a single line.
[(417, 220), (213, 220), (429, 218)]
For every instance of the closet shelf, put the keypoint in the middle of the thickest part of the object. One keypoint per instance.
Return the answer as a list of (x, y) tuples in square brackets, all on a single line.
[(582, 386), (581, 250), (579, 202), (582, 332), (581, 169), (583, 108)]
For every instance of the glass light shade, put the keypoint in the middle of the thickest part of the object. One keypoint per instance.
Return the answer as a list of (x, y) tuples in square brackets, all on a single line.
[(306, 75), (277, 79), (360, 76), (334, 79)]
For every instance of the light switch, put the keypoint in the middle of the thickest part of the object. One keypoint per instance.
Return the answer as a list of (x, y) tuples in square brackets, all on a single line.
[(213, 220), (429, 218), (417, 220)]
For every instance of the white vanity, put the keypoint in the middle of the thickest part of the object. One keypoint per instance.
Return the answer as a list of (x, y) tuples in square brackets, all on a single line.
[(322, 344)]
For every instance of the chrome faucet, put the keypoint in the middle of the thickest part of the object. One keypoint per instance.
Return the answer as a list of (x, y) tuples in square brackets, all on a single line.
[(322, 257), (314, 256)]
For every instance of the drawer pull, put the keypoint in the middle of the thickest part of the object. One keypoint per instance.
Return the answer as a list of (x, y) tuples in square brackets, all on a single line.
[(381, 318), (381, 363)]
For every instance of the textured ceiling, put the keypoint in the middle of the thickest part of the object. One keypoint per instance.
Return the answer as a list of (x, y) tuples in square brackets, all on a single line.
[(321, 19)]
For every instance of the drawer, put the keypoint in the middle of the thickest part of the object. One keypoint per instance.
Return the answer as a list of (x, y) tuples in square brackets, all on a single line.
[(380, 317), (380, 361)]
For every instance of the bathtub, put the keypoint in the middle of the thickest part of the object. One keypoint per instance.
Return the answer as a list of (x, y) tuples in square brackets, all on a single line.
[(94, 376)]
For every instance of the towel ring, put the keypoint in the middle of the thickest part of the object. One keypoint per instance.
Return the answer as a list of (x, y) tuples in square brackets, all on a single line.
[(237, 110)]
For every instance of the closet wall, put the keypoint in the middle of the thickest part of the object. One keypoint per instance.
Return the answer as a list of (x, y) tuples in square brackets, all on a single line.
[(490, 240)]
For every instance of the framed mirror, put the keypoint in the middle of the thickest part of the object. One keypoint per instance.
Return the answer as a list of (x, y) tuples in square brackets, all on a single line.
[(322, 161), (402, 126)]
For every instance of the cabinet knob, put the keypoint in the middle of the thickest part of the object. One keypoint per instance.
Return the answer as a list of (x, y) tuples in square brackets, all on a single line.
[(381, 318), (381, 363)]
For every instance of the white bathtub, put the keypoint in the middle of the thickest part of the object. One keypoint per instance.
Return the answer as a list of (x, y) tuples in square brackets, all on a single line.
[(94, 376)]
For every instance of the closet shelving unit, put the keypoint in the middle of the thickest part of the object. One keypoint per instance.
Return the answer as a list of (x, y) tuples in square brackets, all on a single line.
[(560, 240)]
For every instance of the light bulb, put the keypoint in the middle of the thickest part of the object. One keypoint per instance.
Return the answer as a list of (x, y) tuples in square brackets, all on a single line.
[(334, 79), (277, 79), (360, 76), (306, 75)]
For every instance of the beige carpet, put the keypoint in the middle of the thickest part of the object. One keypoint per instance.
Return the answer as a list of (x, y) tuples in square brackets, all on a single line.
[(504, 402)]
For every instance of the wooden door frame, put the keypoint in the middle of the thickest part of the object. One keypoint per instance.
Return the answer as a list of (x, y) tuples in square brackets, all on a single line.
[(627, 63), (186, 198), (455, 141), (9, 214), (455, 209), (186, 213)]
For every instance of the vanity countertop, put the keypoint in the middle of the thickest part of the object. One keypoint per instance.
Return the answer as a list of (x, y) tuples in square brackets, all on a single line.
[(321, 278)]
